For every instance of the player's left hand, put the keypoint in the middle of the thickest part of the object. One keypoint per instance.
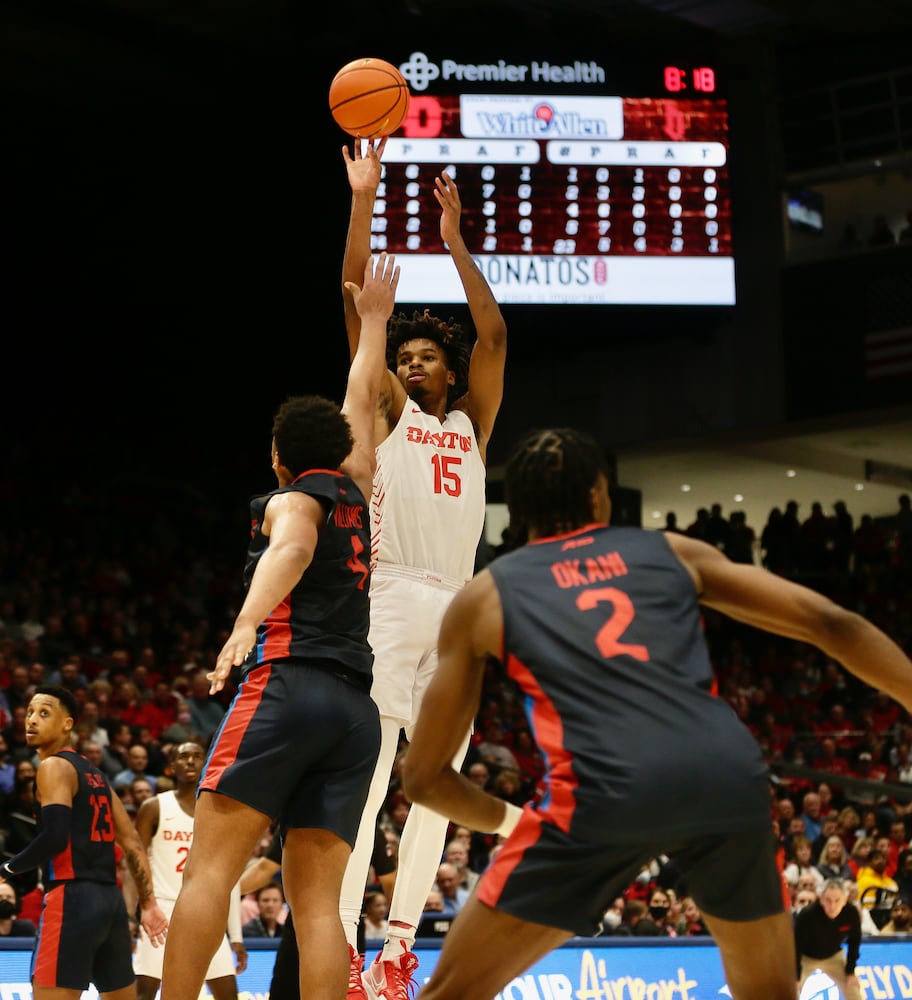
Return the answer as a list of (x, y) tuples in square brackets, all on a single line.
[(240, 956), (155, 924), (233, 654)]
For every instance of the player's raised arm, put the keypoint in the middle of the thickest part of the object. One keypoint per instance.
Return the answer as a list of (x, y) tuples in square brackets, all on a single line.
[(364, 172), (489, 353)]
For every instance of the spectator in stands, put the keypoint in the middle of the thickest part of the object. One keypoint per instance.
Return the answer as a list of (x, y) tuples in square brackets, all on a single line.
[(833, 861), (876, 890), (692, 924), (140, 790), (740, 540), (181, 730), (841, 535), (699, 527), (479, 773), (90, 718), (802, 863), (205, 712), (507, 786), (869, 548), (810, 813), (897, 842), (375, 914), (434, 903), (830, 828), (456, 853), (493, 749), (900, 921), (11, 925), (635, 921), (528, 757), (270, 903), (448, 882), (829, 760), (7, 768), (137, 767), (660, 913), (859, 855), (803, 898), (671, 523)]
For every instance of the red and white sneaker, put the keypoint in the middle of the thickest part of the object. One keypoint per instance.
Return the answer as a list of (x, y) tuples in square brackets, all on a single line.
[(392, 980), (356, 989)]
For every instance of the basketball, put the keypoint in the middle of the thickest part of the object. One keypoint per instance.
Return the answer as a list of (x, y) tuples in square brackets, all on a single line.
[(369, 98)]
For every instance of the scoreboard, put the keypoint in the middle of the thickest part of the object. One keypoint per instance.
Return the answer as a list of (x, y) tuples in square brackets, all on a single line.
[(572, 191)]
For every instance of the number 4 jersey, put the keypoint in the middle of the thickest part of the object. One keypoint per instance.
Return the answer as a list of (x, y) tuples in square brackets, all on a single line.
[(603, 634), (89, 853), (428, 503)]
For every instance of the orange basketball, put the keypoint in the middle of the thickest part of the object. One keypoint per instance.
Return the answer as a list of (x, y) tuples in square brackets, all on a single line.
[(369, 98)]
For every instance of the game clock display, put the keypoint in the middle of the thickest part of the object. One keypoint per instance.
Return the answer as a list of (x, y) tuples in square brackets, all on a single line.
[(571, 191)]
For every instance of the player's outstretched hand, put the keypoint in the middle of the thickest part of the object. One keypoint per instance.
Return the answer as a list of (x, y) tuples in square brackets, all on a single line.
[(377, 294), (154, 923), (447, 195), (233, 654), (364, 170)]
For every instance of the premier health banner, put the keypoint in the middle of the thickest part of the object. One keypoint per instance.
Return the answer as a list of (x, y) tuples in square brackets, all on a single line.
[(583, 969)]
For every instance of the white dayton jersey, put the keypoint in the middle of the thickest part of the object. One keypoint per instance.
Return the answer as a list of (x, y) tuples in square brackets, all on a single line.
[(168, 852), (428, 502), (170, 846)]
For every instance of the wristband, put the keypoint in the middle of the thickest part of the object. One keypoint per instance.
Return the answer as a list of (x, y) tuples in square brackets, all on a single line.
[(510, 820)]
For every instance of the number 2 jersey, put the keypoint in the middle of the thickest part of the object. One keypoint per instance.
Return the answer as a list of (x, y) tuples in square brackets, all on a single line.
[(89, 853), (603, 634), (428, 503)]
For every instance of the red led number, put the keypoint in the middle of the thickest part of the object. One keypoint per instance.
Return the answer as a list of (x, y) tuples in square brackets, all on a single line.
[(674, 79), (704, 79)]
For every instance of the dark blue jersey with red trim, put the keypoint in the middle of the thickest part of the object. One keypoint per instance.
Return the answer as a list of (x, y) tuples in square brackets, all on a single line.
[(89, 853), (325, 617), (602, 632)]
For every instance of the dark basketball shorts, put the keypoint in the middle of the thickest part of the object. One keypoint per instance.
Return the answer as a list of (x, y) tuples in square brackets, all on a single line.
[(298, 743), (545, 876), (83, 938)]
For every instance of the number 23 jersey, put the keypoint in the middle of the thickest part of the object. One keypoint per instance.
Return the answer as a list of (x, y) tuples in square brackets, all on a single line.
[(89, 853), (603, 634)]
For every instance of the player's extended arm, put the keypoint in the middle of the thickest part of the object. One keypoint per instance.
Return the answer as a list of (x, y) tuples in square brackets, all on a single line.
[(235, 932), (489, 353), (291, 521), (56, 784), (469, 634), (364, 173), (766, 601), (154, 921), (373, 299), (146, 824)]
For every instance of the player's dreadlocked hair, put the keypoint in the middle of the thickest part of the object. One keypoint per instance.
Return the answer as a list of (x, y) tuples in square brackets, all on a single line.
[(448, 335), (548, 478), (311, 432)]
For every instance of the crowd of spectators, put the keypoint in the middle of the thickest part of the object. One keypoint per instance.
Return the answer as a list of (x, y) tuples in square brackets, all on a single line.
[(131, 621)]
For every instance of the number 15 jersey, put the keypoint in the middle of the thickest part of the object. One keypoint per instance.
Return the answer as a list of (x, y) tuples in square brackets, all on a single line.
[(428, 500)]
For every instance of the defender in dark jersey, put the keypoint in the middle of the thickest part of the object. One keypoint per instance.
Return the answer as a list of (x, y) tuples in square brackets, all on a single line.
[(600, 627), (300, 740), (83, 936)]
